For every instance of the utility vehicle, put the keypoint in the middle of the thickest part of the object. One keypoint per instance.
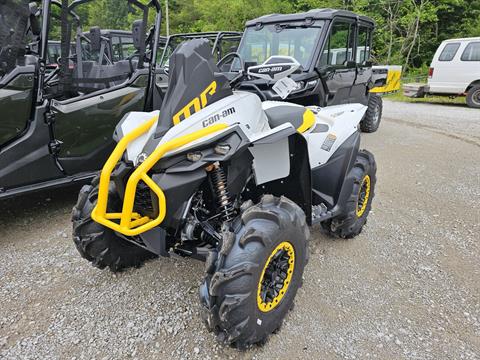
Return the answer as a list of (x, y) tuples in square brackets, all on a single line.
[(334, 49), (56, 128), (455, 71), (221, 176)]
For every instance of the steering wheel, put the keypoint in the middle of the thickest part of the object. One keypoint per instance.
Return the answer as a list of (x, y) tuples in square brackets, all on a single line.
[(241, 74), (231, 55)]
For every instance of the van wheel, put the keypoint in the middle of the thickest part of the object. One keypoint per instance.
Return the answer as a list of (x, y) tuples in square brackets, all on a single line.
[(99, 244), (473, 97), (373, 116)]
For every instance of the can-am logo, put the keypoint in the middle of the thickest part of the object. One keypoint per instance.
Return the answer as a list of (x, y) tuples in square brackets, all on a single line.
[(213, 119), (270, 69)]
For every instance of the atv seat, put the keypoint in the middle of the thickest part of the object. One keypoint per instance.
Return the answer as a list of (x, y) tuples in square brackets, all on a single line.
[(300, 117)]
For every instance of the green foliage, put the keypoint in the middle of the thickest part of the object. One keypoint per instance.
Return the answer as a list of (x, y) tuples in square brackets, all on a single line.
[(408, 31)]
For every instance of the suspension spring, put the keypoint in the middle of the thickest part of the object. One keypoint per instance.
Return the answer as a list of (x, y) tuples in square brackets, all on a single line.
[(223, 198)]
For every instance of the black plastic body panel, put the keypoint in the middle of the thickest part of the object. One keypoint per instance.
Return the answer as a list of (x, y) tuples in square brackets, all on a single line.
[(238, 172), (27, 160), (178, 188), (16, 100), (192, 74), (85, 126)]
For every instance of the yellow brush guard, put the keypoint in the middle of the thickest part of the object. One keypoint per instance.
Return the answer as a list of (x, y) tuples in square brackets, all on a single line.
[(131, 223)]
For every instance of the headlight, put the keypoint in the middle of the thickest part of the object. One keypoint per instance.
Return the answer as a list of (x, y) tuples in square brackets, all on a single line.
[(222, 149), (300, 85), (194, 156), (311, 84)]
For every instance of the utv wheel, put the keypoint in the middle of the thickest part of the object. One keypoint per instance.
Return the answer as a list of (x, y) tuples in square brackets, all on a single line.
[(473, 97), (98, 244), (359, 204), (248, 291), (373, 116)]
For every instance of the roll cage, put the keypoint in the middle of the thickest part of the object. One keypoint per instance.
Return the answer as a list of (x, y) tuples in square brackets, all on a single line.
[(69, 18), (215, 37)]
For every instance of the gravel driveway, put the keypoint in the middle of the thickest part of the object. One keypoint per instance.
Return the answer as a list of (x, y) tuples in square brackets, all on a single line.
[(407, 288)]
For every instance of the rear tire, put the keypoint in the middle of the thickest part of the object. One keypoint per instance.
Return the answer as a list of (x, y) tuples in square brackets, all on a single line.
[(268, 252), (99, 244), (473, 97), (373, 116), (358, 206)]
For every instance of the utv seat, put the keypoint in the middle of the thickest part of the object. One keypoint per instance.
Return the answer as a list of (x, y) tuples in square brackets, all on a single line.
[(300, 117)]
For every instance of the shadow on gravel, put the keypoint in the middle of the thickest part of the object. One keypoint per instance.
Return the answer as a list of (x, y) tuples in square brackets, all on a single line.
[(40, 202)]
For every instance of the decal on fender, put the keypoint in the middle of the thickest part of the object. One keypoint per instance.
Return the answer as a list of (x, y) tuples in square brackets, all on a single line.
[(329, 141), (214, 118)]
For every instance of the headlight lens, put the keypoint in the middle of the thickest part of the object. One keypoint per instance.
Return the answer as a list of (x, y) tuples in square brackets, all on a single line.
[(300, 85), (222, 149), (194, 156), (311, 84)]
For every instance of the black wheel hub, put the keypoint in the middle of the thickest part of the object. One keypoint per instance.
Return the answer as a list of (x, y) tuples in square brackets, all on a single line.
[(276, 277)]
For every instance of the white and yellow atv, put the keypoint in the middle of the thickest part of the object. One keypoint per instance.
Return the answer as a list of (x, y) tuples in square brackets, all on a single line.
[(219, 176)]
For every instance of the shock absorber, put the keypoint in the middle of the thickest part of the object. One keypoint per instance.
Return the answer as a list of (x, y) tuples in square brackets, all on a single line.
[(223, 198)]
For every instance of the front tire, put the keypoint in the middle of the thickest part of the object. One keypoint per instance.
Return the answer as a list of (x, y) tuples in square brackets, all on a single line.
[(248, 291), (373, 116), (99, 244), (473, 97), (350, 223)]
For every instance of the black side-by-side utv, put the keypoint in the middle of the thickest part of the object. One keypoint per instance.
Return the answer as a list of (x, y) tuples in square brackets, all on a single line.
[(334, 50), (56, 127)]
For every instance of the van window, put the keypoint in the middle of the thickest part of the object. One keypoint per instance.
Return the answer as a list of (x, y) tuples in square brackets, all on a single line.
[(472, 52), (449, 52)]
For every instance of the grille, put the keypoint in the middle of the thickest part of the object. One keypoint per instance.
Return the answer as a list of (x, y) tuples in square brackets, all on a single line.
[(143, 201)]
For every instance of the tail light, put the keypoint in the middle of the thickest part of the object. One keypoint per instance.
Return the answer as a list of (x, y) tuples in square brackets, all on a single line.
[(430, 72)]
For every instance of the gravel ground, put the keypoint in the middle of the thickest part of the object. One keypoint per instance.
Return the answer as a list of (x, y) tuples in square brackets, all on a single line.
[(407, 288)]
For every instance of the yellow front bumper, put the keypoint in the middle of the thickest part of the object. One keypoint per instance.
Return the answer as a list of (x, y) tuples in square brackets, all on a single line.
[(128, 222)]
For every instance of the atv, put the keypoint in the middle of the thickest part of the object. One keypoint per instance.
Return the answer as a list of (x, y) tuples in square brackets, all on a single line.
[(57, 123), (334, 49), (220, 176)]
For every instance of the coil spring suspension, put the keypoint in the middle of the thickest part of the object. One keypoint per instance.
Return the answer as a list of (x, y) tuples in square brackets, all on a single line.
[(223, 198)]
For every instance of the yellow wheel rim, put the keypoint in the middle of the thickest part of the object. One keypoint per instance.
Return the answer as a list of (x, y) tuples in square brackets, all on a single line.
[(276, 277), (363, 196)]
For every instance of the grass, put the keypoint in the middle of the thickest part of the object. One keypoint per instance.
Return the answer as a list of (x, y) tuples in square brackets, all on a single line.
[(428, 99)]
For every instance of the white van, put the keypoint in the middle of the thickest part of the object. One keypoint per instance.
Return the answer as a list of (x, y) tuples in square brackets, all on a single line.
[(455, 70)]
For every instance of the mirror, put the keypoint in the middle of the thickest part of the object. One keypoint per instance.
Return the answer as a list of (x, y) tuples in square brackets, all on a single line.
[(137, 32)]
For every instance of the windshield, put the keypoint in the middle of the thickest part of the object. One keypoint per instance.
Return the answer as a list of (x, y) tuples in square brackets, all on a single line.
[(290, 39), (224, 42)]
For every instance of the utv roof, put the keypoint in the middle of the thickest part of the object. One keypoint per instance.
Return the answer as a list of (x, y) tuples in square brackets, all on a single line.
[(315, 14), (195, 35)]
